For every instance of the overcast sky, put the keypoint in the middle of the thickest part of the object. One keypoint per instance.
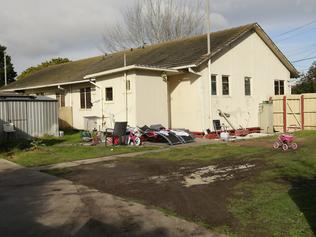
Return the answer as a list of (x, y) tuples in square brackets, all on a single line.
[(38, 30)]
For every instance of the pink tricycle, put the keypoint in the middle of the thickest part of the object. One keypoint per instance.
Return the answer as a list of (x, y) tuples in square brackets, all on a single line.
[(285, 141)]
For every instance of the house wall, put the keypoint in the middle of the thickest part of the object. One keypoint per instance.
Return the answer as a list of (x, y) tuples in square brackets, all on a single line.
[(250, 58), (151, 99), (112, 110), (147, 100), (185, 98), (192, 105)]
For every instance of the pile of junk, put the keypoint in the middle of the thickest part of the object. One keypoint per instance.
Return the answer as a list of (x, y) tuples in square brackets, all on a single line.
[(226, 131), (122, 134)]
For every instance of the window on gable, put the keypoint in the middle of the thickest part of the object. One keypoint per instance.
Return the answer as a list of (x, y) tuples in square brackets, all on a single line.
[(279, 87), (61, 99), (225, 85), (85, 98), (247, 86), (109, 94), (213, 85)]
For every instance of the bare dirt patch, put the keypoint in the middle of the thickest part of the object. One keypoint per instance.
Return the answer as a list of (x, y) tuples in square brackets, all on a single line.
[(195, 190)]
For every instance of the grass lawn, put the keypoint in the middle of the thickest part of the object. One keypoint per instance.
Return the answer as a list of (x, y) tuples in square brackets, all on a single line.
[(51, 150), (280, 200)]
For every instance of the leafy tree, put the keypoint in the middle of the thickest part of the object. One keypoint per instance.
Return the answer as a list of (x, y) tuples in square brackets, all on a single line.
[(307, 83), (11, 74), (31, 70), (155, 21)]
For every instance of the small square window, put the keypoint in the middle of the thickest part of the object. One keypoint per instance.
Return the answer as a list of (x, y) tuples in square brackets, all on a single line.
[(213, 85), (279, 87), (109, 94), (225, 85)]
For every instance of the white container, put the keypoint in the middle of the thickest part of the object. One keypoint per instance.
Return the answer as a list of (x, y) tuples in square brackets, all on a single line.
[(224, 136), (61, 133), (8, 127)]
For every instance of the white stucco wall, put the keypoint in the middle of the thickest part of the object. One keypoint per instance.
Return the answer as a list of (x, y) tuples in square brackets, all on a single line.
[(251, 58), (112, 110), (186, 101), (151, 99)]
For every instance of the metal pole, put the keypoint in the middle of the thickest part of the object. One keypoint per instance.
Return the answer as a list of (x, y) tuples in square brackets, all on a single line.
[(5, 68), (208, 27), (125, 77), (209, 53)]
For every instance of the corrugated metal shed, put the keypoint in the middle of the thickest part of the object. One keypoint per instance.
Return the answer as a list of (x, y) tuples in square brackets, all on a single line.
[(32, 116)]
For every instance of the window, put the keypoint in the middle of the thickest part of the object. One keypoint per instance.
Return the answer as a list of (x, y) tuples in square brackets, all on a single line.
[(213, 85), (109, 94), (247, 86), (61, 99), (225, 85), (85, 98), (128, 85), (278, 87)]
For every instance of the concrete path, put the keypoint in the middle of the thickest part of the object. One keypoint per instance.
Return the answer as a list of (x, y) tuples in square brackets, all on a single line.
[(36, 204), (199, 142)]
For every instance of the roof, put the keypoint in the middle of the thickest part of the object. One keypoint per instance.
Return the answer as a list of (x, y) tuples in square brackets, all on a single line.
[(171, 54), (23, 97)]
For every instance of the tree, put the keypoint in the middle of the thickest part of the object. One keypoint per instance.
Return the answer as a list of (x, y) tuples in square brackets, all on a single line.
[(31, 70), (11, 74), (307, 83), (155, 21)]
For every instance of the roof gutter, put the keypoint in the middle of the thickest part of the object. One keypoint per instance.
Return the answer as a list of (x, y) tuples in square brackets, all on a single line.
[(44, 86), (132, 67), (185, 67)]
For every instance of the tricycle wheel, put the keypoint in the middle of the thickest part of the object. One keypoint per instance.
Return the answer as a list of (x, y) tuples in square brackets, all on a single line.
[(285, 147), (294, 146), (276, 145)]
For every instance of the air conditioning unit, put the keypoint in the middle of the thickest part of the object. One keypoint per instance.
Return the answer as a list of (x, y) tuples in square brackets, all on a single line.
[(8, 127)]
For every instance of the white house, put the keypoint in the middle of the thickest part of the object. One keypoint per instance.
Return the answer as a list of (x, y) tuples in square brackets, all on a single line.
[(169, 83)]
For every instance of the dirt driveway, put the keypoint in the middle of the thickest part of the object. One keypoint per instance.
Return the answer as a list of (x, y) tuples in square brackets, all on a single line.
[(196, 190)]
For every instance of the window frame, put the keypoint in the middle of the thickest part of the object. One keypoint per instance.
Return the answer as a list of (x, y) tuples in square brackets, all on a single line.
[(247, 89), (61, 98), (85, 98), (106, 94), (223, 86), (279, 87), (213, 85), (128, 86)]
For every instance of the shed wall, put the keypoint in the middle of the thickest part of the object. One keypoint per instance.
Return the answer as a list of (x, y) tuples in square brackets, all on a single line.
[(30, 118)]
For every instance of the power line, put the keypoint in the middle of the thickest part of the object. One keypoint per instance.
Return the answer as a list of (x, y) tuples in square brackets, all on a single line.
[(303, 59), (295, 35), (296, 29)]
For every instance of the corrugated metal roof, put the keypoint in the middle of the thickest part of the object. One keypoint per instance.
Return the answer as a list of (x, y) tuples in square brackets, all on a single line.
[(23, 97)]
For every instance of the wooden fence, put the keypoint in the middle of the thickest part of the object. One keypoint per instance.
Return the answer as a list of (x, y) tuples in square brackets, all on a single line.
[(294, 112)]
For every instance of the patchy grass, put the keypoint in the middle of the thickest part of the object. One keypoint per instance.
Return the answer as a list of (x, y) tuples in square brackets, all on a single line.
[(51, 150), (279, 201), (207, 152)]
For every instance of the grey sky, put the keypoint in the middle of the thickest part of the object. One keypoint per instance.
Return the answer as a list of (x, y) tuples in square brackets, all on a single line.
[(37, 30)]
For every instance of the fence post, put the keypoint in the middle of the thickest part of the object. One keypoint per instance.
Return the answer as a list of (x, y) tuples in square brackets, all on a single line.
[(302, 112), (284, 114)]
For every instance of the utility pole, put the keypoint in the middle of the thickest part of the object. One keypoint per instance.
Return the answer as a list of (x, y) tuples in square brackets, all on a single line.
[(5, 68), (125, 79), (208, 27), (209, 61)]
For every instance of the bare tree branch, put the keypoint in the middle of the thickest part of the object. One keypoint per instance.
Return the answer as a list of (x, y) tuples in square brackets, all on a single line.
[(155, 21)]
